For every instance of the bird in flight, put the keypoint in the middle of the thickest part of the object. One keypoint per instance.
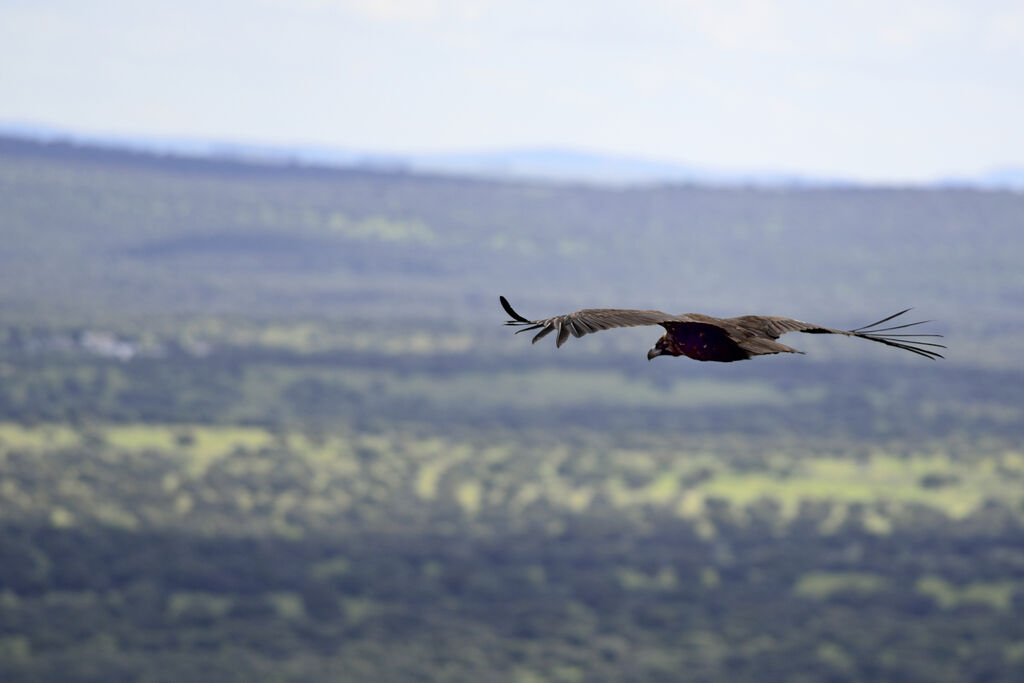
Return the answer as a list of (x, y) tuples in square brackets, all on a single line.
[(702, 337)]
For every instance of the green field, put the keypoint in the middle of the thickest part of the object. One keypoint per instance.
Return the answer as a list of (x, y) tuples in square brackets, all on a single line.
[(328, 473)]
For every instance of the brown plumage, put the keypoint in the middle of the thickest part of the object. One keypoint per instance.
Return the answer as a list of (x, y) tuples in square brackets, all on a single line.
[(719, 339)]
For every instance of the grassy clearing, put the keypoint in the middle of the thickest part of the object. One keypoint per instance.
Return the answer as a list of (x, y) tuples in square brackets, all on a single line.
[(995, 594), (200, 446), (39, 437), (320, 475), (822, 585), (932, 480), (311, 336)]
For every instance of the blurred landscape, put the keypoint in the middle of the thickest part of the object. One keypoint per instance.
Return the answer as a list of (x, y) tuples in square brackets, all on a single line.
[(261, 421)]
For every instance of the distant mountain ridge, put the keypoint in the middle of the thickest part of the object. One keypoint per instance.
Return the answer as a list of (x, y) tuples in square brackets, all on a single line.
[(554, 164)]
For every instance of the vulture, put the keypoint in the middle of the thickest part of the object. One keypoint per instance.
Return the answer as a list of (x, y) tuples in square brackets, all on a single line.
[(702, 337)]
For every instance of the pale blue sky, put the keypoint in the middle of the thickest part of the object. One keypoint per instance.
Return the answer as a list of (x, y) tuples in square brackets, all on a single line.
[(874, 90)]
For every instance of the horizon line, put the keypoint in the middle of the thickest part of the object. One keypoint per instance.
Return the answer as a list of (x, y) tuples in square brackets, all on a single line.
[(567, 164)]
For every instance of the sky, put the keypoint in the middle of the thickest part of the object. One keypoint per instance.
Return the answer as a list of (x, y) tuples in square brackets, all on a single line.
[(876, 90)]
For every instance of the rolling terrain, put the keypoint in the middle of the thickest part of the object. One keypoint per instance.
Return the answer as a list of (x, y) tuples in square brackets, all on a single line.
[(261, 421)]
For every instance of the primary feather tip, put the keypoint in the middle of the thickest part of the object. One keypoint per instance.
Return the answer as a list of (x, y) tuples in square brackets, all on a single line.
[(511, 311)]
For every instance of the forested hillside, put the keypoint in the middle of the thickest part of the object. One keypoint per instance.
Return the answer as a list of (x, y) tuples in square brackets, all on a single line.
[(262, 422), (93, 232)]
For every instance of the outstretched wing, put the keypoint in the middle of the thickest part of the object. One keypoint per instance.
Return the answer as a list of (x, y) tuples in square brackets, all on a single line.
[(586, 321), (752, 327)]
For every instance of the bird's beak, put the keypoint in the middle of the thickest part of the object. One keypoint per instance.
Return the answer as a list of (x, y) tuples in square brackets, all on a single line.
[(654, 353)]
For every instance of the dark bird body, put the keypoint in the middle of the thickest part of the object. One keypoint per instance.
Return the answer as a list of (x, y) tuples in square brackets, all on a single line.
[(702, 337)]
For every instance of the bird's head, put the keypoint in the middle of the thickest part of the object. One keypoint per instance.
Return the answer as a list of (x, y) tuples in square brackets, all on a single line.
[(661, 348)]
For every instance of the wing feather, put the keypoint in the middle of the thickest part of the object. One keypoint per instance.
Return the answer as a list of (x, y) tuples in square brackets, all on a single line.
[(563, 333), (540, 335), (754, 326), (588, 321)]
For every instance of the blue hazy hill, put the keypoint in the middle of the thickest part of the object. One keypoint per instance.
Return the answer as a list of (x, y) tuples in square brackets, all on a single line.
[(549, 163)]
